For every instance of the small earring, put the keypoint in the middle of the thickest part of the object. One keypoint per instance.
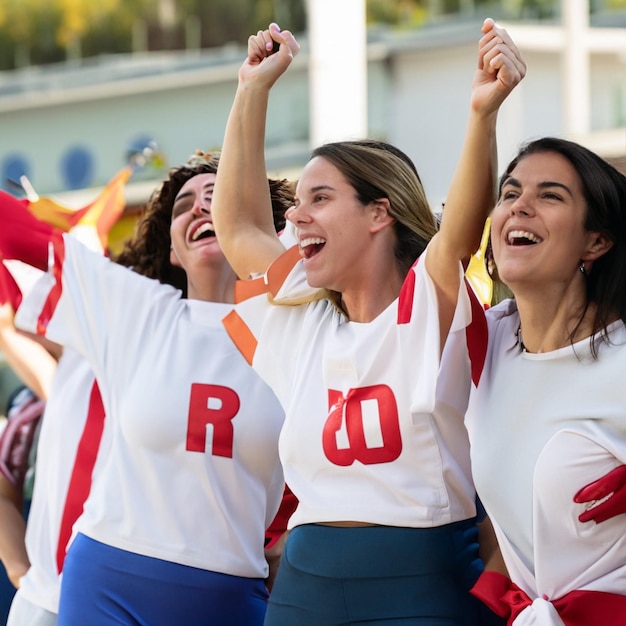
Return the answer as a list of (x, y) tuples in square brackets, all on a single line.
[(582, 269)]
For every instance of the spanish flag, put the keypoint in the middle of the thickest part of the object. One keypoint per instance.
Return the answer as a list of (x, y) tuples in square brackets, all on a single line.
[(100, 214)]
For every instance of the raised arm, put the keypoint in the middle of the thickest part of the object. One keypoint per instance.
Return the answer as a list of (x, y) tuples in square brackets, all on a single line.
[(472, 192), (241, 206), (30, 360)]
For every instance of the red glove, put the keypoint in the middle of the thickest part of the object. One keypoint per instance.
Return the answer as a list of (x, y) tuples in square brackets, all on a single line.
[(22, 235), (279, 524), (9, 291), (611, 486)]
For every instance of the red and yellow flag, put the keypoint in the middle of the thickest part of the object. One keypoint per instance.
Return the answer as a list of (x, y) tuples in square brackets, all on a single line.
[(101, 213)]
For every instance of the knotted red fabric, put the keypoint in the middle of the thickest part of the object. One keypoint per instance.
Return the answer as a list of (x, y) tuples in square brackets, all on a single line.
[(576, 608)]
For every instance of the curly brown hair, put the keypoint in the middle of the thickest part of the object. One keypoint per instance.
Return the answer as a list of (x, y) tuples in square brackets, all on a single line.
[(148, 250)]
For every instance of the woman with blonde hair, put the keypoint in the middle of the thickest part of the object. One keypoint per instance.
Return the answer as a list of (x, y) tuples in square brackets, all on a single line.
[(362, 330)]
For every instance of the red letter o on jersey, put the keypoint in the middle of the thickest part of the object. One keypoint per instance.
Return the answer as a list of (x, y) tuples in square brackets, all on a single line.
[(352, 407)]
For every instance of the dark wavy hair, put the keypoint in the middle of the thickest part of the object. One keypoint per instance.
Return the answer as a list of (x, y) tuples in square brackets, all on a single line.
[(148, 250), (604, 190)]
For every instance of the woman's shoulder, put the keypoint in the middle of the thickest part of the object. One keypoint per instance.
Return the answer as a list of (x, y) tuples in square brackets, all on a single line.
[(503, 317), (505, 308)]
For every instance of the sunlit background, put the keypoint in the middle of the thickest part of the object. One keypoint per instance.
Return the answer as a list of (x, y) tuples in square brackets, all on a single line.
[(87, 85)]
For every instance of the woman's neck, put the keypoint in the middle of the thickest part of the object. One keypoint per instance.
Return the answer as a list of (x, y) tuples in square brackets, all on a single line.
[(547, 326), (212, 286), (366, 303)]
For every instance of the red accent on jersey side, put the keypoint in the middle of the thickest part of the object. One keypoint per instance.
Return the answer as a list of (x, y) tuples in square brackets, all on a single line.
[(476, 335), (246, 289), (80, 481), (278, 526), (241, 335), (47, 311), (405, 299), (281, 268)]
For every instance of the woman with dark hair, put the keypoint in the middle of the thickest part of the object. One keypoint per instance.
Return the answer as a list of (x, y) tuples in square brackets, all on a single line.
[(549, 413), (173, 530)]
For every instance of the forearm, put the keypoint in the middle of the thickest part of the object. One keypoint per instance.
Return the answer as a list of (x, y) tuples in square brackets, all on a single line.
[(32, 363), (471, 198), (472, 192), (241, 206), (12, 539), (489, 550)]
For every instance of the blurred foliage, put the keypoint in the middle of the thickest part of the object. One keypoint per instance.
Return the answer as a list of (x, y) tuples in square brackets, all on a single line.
[(47, 31), (403, 13)]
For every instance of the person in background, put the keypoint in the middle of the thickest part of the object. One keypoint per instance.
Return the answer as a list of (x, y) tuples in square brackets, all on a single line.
[(203, 425), (70, 434), (549, 410), (23, 414), (24, 410), (364, 338)]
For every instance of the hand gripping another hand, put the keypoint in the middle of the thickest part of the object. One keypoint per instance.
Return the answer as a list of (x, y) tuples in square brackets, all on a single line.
[(610, 493)]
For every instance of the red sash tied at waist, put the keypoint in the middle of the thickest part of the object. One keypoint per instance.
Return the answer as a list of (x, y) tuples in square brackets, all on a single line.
[(576, 608)]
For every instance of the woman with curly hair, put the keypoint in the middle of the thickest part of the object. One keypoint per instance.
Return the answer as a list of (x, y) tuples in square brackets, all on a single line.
[(173, 530)]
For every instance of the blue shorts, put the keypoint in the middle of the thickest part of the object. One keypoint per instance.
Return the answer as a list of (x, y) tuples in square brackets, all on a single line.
[(375, 575), (102, 585)]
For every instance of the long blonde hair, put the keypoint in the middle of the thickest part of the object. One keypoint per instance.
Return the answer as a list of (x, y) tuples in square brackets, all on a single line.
[(378, 170)]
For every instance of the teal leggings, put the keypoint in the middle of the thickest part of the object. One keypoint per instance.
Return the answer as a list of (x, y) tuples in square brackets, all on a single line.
[(377, 575)]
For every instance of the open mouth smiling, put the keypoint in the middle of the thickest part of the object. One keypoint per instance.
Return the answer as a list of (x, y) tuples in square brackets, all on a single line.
[(522, 238), (203, 231), (310, 246)]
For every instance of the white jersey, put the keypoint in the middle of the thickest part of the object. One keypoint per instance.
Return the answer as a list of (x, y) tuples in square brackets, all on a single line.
[(192, 475), (374, 426), (543, 426), (62, 477)]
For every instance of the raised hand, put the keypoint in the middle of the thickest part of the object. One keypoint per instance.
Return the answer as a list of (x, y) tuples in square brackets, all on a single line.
[(609, 491), (500, 68), (263, 65)]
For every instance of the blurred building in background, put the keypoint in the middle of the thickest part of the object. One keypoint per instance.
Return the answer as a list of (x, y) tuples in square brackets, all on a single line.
[(69, 127)]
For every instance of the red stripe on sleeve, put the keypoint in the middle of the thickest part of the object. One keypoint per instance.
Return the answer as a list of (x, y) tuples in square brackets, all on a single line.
[(476, 335), (47, 311), (80, 481), (405, 299)]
